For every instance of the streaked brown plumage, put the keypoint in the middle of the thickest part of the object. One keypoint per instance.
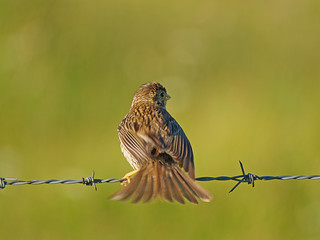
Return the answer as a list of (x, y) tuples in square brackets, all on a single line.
[(156, 146)]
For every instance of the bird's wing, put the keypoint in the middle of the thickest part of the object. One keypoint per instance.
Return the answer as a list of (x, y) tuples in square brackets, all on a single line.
[(178, 147), (132, 143), (140, 142)]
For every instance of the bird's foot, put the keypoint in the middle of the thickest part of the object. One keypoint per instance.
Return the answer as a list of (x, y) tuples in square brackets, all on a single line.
[(127, 176)]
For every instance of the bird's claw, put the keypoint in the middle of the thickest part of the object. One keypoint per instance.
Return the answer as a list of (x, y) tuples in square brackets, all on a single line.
[(125, 183)]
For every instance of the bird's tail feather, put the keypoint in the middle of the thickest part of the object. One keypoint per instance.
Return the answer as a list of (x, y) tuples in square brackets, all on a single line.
[(167, 181)]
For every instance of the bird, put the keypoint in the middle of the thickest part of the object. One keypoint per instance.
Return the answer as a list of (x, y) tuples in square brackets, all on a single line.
[(158, 150)]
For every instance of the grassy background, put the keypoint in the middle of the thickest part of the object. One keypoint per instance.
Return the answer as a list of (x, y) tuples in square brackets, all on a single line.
[(244, 80)]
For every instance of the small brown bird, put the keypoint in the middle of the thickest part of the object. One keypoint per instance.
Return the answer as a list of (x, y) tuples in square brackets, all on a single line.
[(157, 148)]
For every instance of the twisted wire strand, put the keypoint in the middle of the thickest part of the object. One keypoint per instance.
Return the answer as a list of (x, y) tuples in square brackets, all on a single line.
[(282, 177), (91, 181)]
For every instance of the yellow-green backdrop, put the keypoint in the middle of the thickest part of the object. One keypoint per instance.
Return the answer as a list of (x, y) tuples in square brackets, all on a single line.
[(244, 77)]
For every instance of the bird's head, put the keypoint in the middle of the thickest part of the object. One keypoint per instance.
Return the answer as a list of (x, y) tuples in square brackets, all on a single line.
[(153, 93)]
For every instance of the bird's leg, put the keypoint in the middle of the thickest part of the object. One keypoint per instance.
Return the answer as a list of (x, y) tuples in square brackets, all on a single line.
[(127, 176)]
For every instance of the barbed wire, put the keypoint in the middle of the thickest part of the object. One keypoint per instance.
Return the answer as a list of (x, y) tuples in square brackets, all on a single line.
[(91, 181)]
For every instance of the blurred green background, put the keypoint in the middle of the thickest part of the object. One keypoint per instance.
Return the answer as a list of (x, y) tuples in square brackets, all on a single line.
[(244, 77)]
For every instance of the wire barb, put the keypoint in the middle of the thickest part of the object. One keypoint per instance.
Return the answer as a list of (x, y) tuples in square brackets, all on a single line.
[(249, 178), (2, 183), (89, 181)]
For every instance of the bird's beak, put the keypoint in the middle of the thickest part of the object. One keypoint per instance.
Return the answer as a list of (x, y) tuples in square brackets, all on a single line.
[(167, 97)]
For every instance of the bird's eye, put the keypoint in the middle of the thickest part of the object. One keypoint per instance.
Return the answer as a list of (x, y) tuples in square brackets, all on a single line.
[(162, 94)]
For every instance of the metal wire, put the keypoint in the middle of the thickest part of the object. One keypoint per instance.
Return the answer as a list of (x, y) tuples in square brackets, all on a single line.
[(91, 181), (250, 178)]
